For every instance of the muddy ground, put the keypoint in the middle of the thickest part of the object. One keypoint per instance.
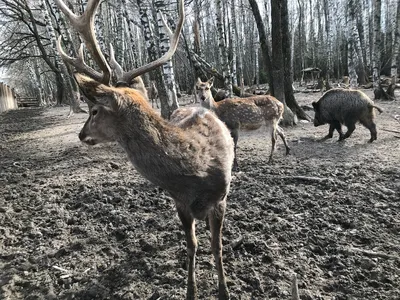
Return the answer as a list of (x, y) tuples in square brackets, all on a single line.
[(78, 222)]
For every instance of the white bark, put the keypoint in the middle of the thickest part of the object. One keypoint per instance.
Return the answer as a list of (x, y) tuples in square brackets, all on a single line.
[(377, 40), (167, 68), (396, 46), (222, 47)]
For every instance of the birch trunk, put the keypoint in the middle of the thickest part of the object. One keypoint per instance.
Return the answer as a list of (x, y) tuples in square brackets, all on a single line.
[(72, 94), (351, 40), (328, 11), (395, 54), (234, 42), (222, 48), (376, 52), (132, 37), (148, 34), (167, 68)]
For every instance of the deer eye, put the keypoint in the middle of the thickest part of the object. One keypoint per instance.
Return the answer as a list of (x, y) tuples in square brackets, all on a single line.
[(94, 112)]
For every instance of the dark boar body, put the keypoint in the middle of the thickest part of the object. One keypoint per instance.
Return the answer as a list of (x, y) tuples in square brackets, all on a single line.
[(342, 106)]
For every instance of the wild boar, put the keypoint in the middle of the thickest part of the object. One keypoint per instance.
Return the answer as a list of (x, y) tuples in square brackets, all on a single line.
[(345, 106)]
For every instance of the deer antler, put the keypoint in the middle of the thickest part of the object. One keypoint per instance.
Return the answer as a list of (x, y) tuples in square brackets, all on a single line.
[(127, 77), (84, 24)]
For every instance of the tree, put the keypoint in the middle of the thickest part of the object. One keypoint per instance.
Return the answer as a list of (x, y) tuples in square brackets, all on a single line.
[(277, 61), (395, 54)]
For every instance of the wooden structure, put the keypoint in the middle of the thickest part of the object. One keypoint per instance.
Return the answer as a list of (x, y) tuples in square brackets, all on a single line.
[(27, 101), (310, 74), (7, 99)]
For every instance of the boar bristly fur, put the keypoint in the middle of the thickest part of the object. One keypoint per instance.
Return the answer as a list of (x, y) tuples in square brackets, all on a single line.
[(339, 107)]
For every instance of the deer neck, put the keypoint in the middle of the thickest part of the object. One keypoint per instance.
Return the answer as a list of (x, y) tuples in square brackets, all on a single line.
[(151, 144), (210, 104)]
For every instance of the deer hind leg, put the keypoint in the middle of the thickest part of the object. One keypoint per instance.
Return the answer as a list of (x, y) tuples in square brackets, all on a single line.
[(272, 132), (235, 136), (281, 133), (216, 219), (191, 245)]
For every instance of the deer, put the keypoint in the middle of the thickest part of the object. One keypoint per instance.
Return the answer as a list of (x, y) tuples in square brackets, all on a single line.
[(246, 113), (152, 93), (190, 156)]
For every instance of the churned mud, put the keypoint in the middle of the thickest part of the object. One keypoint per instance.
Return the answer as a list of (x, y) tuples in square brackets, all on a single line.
[(78, 222)]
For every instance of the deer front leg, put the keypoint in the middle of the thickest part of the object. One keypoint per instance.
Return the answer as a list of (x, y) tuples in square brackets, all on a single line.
[(216, 219), (191, 246)]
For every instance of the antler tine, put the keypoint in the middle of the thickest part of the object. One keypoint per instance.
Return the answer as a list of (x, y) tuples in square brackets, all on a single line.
[(129, 76), (84, 24), (79, 62), (119, 72)]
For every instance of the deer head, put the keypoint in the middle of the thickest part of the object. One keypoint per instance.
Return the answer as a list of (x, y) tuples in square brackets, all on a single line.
[(108, 101), (203, 91), (84, 25)]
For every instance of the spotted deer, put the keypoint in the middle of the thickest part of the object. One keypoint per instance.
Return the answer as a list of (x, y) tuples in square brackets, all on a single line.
[(190, 156), (247, 113)]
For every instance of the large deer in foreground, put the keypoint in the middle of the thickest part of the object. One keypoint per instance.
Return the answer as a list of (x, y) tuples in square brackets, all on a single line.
[(190, 157), (247, 113)]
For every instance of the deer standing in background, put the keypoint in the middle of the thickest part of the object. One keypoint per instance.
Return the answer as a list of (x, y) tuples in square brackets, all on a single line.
[(190, 156), (152, 93), (248, 113)]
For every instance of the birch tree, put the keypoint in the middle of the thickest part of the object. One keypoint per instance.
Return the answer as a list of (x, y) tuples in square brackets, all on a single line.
[(395, 54), (167, 68), (222, 47)]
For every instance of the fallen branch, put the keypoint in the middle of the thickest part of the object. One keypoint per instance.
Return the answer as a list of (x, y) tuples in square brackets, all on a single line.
[(389, 130), (306, 178), (370, 253)]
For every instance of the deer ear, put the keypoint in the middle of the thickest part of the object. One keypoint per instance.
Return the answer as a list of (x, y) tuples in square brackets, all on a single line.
[(211, 81), (199, 80), (96, 92), (89, 86)]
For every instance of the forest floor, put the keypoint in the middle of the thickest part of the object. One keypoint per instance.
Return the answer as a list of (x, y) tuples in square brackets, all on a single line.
[(78, 222)]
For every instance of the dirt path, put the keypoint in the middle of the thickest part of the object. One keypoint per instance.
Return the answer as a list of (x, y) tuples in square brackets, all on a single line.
[(80, 223)]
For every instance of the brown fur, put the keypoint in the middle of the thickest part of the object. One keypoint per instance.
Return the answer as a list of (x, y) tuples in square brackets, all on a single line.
[(246, 113), (190, 157)]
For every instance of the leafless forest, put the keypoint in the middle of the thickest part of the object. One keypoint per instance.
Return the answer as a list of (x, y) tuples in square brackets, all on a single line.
[(79, 222)]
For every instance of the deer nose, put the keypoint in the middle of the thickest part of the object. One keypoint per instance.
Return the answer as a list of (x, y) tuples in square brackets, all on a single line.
[(203, 98)]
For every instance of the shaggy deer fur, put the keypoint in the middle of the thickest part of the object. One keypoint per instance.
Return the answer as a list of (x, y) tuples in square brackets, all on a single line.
[(247, 113)]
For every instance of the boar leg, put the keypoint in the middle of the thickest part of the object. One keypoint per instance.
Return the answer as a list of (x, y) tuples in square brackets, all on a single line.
[(372, 128), (350, 128), (332, 126)]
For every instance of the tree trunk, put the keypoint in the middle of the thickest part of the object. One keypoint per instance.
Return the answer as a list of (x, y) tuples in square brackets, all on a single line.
[(351, 38), (222, 47), (167, 68), (277, 61), (376, 64), (395, 54), (329, 33), (263, 42), (287, 65)]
